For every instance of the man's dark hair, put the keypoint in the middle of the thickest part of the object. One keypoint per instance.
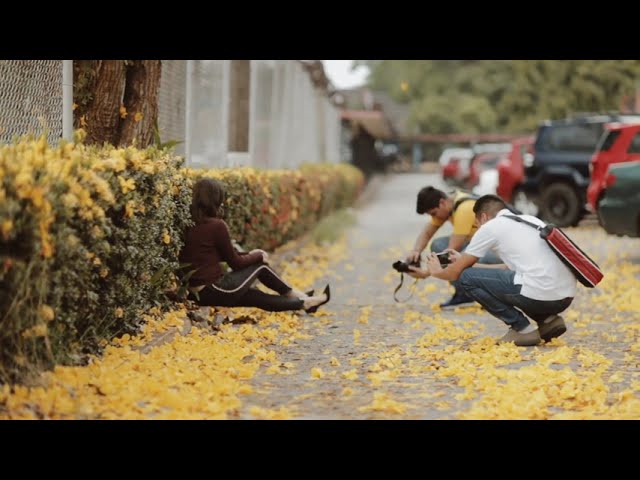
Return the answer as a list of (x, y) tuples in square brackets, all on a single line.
[(489, 204), (429, 198)]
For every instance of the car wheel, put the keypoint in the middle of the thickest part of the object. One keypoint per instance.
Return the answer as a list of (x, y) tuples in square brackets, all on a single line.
[(523, 203), (561, 205)]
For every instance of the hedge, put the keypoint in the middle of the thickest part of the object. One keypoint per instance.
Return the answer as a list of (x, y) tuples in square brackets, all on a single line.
[(89, 237)]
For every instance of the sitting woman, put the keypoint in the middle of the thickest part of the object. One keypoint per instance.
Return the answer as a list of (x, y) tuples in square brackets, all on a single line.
[(207, 243)]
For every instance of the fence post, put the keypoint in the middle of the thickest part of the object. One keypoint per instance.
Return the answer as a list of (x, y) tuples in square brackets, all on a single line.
[(67, 100), (187, 113)]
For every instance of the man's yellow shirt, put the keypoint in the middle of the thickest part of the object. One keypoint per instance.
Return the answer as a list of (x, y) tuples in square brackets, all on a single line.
[(463, 219)]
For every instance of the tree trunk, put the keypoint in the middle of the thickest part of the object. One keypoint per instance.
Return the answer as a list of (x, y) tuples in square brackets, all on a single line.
[(141, 102), (103, 116), (239, 106)]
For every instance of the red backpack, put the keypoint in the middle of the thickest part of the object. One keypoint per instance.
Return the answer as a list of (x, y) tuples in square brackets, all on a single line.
[(586, 270)]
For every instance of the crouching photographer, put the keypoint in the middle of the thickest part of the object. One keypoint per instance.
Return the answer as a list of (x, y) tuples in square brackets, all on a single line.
[(534, 282), (441, 208)]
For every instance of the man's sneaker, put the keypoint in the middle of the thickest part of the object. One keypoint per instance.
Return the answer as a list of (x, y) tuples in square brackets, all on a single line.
[(458, 300), (521, 339), (552, 327)]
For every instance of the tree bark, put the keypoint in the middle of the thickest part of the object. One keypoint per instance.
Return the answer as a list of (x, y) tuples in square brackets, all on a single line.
[(141, 102), (239, 105), (103, 116)]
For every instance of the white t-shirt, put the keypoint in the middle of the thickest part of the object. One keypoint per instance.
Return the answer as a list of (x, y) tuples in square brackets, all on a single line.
[(541, 273)]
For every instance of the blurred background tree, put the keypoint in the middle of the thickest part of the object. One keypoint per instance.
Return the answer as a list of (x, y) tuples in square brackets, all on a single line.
[(480, 96)]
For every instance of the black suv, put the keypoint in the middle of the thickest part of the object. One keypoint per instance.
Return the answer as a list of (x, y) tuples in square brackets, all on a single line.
[(558, 177)]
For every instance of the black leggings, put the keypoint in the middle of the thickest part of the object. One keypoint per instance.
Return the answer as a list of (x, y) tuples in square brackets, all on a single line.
[(234, 290)]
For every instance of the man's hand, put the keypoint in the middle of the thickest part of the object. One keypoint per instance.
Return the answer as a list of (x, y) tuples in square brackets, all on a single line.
[(265, 255), (454, 255), (413, 256), (417, 272), (434, 264)]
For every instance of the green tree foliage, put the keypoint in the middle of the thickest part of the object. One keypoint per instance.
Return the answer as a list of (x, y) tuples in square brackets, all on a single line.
[(474, 96)]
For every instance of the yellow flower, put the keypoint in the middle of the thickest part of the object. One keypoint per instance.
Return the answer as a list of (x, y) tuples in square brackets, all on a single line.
[(119, 313), (46, 313), (75, 105), (69, 200), (6, 228), (79, 135), (126, 184), (166, 238), (123, 112), (47, 249), (39, 330), (350, 375), (129, 209), (137, 117), (104, 272)]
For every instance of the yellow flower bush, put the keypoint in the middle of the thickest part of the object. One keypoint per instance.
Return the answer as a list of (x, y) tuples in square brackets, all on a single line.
[(265, 209), (89, 237)]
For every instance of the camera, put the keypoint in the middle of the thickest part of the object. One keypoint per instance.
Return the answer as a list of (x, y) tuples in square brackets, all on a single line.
[(444, 258), (403, 267)]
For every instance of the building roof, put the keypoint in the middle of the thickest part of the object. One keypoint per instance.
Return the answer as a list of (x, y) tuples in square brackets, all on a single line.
[(373, 121)]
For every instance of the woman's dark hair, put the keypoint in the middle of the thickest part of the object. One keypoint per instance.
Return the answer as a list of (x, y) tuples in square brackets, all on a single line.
[(208, 196), (429, 198)]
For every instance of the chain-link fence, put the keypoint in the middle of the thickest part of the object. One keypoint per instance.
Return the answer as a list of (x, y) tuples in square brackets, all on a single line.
[(30, 99), (172, 102), (290, 122)]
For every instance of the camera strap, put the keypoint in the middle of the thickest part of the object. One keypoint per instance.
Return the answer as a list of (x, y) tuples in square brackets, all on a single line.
[(395, 292)]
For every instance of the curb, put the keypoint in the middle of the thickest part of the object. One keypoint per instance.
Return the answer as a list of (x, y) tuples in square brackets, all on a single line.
[(371, 190)]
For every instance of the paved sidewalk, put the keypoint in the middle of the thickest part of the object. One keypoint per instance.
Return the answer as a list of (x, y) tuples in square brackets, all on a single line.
[(350, 369)]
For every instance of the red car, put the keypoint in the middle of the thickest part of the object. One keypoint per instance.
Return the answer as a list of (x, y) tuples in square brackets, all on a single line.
[(451, 171), (480, 163), (619, 143), (511, 174)]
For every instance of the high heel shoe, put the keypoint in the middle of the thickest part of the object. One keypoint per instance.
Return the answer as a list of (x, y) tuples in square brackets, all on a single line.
[(314, 309)]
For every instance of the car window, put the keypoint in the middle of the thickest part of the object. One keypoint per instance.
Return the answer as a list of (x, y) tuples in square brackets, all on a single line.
[(575, 137), (607, 140), (634, 147)]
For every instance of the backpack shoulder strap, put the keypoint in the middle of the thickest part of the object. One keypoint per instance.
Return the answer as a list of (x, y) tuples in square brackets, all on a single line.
[(462, 200), (522, 220)]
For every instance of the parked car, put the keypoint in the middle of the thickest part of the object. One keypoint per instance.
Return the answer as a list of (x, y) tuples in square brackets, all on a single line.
[(449, 153), (451, 171), (619, 143), (454, 163), (458, 170), (558, 177), (487, 184), (620, 205), (511, 175), (481, 163)]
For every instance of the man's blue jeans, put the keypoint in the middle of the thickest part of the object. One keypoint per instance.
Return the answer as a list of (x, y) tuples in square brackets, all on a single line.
[(442, 243), (495, 291)]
